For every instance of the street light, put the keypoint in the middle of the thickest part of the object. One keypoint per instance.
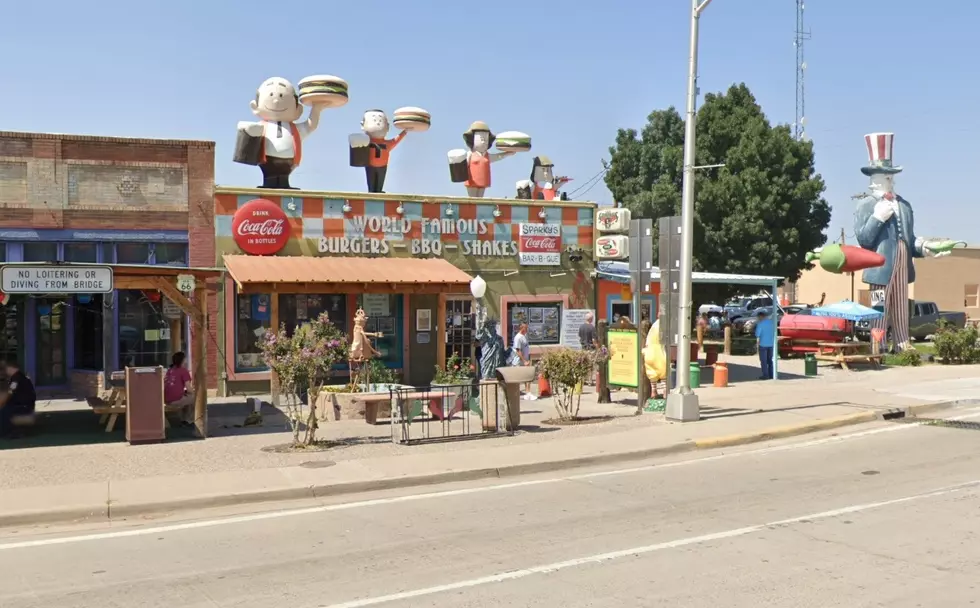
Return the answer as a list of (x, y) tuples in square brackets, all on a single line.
[(682, 403), (478, 287)]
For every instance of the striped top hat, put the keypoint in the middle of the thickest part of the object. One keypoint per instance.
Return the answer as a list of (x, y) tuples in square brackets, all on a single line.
[(880, 147)]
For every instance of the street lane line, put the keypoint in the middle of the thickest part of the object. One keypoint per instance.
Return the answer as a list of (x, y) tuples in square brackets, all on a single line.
[(253, 517), (636, 551)]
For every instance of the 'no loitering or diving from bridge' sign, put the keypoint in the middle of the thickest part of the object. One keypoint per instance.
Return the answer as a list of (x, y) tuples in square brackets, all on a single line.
[(44, 279)]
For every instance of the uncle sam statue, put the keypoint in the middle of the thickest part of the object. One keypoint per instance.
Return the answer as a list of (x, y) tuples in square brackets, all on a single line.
[(884, 223)]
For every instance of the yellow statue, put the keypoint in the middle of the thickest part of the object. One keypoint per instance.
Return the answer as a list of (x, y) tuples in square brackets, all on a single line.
[(654, 356)]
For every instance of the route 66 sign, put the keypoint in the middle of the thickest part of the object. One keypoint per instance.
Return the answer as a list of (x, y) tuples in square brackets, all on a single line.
[(185, 283)]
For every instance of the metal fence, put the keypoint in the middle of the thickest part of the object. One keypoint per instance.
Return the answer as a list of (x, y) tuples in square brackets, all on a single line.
[(432, 414)]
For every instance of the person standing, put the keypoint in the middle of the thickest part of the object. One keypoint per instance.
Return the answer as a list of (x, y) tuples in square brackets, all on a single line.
[(522, 346), (587, 337), (177, 387), (765, 333)]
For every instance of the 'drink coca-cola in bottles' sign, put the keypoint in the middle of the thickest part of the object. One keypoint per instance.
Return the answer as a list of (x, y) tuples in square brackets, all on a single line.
[(540, 244), (260, 227)]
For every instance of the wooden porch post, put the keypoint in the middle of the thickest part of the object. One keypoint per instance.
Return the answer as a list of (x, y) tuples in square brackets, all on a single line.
[(199, 347), (441, 331)]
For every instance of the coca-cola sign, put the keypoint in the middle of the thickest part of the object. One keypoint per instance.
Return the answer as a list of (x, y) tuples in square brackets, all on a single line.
[(260, 227), (540, 244)]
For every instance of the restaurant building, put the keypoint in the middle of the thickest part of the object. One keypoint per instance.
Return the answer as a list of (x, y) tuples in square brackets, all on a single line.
[(99, 200), (407, 260)]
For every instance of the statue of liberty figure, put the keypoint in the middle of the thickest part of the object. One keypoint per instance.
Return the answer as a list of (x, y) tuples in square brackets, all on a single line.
[(491, 349)]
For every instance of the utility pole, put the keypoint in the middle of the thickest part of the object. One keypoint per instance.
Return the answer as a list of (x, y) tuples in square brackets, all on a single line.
[(682, 404), (802, 35)]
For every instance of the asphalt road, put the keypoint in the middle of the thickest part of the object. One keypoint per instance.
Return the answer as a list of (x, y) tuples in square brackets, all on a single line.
[(885, 515)]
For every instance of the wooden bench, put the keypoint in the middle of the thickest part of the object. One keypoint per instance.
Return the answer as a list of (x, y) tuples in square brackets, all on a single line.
[(109, 412), (374, 401)]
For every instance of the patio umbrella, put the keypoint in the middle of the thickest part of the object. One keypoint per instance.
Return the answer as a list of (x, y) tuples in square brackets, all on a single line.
[(847, 310)]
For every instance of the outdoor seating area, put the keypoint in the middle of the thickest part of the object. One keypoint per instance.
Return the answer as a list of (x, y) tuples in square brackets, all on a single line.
[(846, 353)]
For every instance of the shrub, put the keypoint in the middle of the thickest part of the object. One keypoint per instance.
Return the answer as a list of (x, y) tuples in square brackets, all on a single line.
[(954, 345), (910, 357), (564, 369), (301, 361), (381, 373)]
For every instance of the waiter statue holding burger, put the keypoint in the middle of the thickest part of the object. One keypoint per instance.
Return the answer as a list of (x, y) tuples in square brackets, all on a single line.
[(275, 142), (472, 167), (543, 184), (371, 150)]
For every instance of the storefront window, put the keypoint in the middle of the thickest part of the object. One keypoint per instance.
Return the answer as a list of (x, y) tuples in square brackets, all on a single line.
[(3, 252), (132, 253), (144, 333), (296, 309), (88, 331), (173, 254), (40, 252), (86, 253), (543, 321), (50, 341), (253, 320), (11, 333), (108, 253), (384, 316)]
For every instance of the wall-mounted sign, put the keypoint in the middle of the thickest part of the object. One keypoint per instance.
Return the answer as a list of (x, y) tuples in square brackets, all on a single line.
[(612, 247), (186, 283), (571, 320), (41, 279), (613, 220), (171, 310), (376, 305), (260, 227), (540, 244)]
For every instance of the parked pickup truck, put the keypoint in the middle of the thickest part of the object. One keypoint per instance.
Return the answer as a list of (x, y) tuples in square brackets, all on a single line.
[(923, 323)]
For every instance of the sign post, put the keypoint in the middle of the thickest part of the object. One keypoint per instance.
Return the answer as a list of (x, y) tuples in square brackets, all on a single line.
[(641, 266)]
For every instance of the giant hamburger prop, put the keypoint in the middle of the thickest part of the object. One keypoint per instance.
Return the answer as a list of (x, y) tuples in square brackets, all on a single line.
[(324, 90), (513, 141), (411, 118)]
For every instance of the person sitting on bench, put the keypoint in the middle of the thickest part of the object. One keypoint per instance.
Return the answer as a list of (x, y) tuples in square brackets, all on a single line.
[(177, 387), (19, 400)]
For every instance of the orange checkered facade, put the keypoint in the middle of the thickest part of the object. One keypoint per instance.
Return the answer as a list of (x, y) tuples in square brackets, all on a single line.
[(312, 217)]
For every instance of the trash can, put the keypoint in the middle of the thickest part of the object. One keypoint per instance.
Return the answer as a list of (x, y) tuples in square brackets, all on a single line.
[(695, 375), (810, 364)]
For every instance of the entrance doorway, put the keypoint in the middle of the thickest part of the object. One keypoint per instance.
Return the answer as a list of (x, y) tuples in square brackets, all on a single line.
[(51, 334), (460, 329)]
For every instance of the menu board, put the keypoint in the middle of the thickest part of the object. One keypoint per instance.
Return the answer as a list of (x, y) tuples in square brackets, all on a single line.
[(544, 322), (623, 352), (571, 320)]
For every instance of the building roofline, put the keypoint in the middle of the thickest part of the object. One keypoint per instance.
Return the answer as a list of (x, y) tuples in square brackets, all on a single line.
[(192, 143)]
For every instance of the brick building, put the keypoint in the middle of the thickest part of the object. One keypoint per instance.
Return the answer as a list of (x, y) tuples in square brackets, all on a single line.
[(100, 200)]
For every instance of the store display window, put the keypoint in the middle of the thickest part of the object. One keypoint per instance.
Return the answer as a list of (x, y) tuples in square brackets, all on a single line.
[(144, 331), (252, 319), (543, 322), (384, 313)]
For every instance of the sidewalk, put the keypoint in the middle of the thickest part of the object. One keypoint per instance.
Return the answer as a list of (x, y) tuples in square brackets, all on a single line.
[(114, 480)]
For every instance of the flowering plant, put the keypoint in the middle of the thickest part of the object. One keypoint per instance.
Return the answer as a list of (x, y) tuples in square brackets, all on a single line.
[(302, 362), (456, 371)]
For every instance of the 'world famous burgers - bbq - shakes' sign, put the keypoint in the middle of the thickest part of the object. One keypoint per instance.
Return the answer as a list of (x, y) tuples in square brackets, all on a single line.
[(260, 227)]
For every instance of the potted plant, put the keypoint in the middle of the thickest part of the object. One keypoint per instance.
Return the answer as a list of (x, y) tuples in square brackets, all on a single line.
[(455, 377)]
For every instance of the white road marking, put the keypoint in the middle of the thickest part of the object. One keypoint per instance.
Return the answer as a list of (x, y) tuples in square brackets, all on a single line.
[(635, 551), (242, 519)]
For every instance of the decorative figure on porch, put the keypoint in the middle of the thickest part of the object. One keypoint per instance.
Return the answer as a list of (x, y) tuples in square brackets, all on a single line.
[(543, 185), (884, 223), (491, 349), (361, 351), (275, 142), (472, 166)]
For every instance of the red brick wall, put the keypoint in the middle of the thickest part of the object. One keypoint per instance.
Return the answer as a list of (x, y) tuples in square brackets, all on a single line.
[(50, 181)]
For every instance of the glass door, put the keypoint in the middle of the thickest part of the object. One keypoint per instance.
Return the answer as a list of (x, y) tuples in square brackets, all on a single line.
[(50, 368), (460, 329)]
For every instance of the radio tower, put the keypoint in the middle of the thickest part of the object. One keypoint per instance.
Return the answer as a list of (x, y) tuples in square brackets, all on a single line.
[(802, 35)]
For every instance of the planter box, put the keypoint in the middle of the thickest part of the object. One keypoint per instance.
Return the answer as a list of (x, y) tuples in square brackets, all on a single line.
[(344, 407)]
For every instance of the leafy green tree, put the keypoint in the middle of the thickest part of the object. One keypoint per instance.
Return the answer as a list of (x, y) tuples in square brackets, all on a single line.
[(759, 214)]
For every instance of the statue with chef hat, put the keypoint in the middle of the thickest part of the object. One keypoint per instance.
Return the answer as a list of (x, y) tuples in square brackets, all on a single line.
[(884, 223)]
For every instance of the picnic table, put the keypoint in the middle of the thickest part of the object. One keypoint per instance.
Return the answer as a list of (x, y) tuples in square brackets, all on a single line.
[(112, 404), (845, 353)]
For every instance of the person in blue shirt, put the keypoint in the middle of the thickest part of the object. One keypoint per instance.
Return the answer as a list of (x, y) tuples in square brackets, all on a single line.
[(765, 333)]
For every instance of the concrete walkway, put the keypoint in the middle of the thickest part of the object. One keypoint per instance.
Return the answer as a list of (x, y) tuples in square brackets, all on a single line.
[(739, 414)]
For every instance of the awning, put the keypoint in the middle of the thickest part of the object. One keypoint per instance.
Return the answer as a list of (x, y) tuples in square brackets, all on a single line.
[(262, 274)]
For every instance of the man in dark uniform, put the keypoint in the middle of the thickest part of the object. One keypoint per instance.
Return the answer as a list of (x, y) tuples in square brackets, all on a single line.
[(19, 398)]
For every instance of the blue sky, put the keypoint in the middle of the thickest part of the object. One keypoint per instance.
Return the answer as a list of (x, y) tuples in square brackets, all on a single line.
[(568, 76)]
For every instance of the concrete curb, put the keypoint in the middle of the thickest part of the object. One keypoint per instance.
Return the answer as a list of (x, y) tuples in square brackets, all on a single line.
[(110, 512)]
